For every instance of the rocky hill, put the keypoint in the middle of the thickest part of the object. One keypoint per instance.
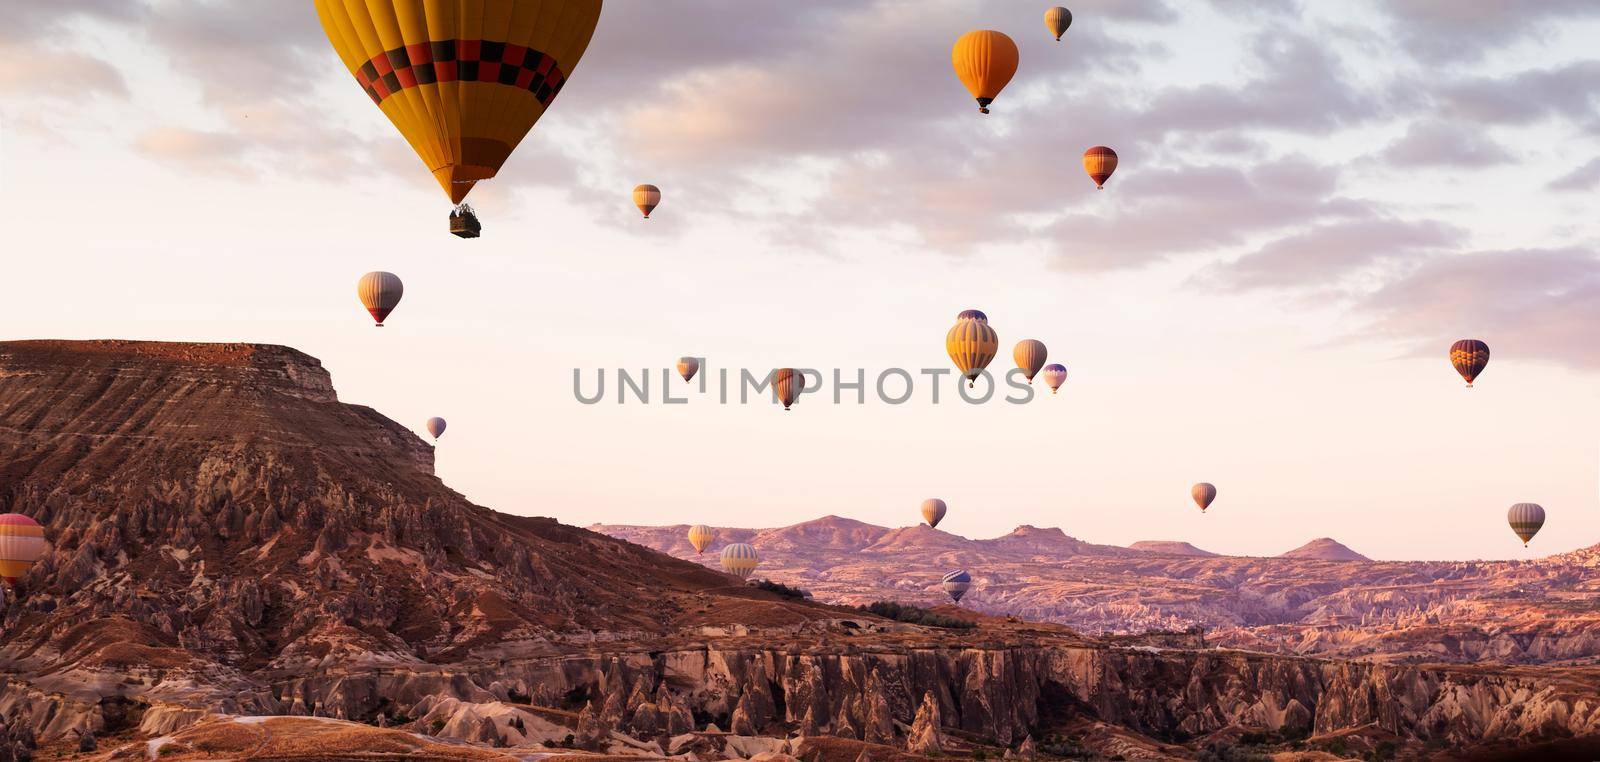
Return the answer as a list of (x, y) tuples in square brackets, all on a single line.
[(1171, 548), (1325, 549), (228, 541)]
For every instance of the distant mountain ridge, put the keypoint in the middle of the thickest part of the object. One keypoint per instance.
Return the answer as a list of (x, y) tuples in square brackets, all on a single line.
[(1171, 548)]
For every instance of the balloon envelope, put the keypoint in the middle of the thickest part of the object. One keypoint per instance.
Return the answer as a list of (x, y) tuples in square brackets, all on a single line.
[(380, 293), (701, 536), (984, 60), (971, 344), (687, 367), (1203, 493), (462, 81), (740, 560), (436, 426), (1030, 355), (1057, 20), (647, 197), (1100, 162), (956, 584), (1054, 374), (21, 544), (933, 510), (1525, 520), (787, 383), (1470, 357)]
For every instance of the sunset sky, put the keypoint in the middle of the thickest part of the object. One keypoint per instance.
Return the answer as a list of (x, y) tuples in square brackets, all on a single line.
[(1314, 200)]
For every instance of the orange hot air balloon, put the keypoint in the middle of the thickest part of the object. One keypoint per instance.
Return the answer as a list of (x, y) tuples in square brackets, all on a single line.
[(21, 544), (647, 197), (463, 81), (1203, 493), (1470, 357), (1100, 162), (985, 60), (787, 383), (380, 294)]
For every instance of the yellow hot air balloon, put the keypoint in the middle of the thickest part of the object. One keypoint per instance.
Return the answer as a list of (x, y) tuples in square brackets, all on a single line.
[(740, 560), (1057, 20), (972, 344), (647, 197), (464, 80), (1100, 162), (1029, 354), (380, 293), (700, 536), (985, 60), (21, 544)]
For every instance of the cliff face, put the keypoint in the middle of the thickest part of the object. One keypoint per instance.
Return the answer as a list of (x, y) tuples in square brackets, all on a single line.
[(226, 536)]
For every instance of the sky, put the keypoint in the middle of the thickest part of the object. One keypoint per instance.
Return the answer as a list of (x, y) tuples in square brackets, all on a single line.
[(1314, 200)]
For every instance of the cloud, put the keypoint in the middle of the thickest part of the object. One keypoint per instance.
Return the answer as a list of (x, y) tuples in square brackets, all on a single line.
[(1537, 303), (1452, 30), (64, 75), (1442, 144), (1567, 92), (1585, 177), (1319, 256)]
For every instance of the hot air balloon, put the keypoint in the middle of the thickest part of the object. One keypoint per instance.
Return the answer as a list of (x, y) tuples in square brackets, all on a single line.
[(700, 536), (1469, 356), (687, 367), (1100, 162), (1057, 20), (971, 344), (1526, 518), (1203, 493), (379, 292), (956, 584), (21, 543), (463, 81), (436, 427), (646, 197), (740, 560), (1029, 354), (933, 510), (787, 383), (985, 60), (1054, 374)]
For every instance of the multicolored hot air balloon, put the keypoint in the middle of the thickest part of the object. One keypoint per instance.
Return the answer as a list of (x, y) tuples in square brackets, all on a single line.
[(380, 293), (463, 81), (956, 584), (1526, 518), (647, 197), (1469, 356), (740, 560), (687, 367), (1054, 374), (787, 383), (985, 60), (971, 344), (1203, 493), (1029, 354), (933, 510), (1100, 162), (701, 537), (1057, 20), (21, 543), (436, 427)]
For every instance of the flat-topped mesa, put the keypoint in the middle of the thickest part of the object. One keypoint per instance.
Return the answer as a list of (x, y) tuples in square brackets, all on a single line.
[(171, 392)]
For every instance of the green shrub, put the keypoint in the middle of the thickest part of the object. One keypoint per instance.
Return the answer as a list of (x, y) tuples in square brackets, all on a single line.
[(781, 589), (901, 612)]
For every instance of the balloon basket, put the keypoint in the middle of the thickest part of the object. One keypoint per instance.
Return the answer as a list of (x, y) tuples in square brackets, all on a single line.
[(464, 223)]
